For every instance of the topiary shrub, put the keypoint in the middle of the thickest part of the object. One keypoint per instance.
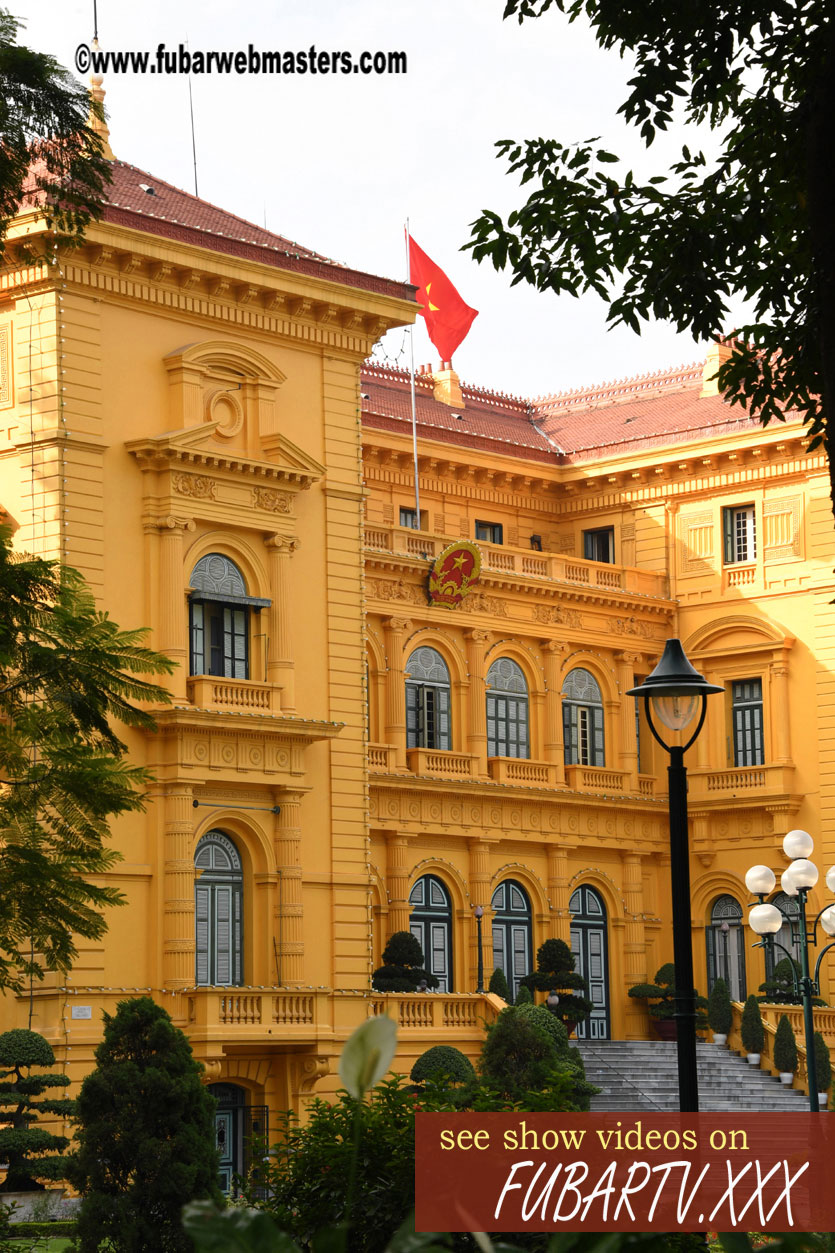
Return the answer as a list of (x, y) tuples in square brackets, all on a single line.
[(524, 996), (443, 1061), (402, 969), (146, 1137), (498, 985), (823, 1064), (32, 1153), (550, 1024), (555, 972), (661, 997), (520, 1057), (785, 1047), (783, 986), (719, 1013), (753, 1034)]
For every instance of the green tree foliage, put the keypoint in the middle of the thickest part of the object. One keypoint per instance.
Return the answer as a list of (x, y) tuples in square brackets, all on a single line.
[(443, 1060), (526, 1050), (66, 672), (146, 1137), (782, 988), (498, 985), (33, 1153), (719, 1013), (524, 996), (823, 1063), (785, 1047), (402, 969), (753, 1032), (555, 973), (49, 154), (752, 218), (661, 997)]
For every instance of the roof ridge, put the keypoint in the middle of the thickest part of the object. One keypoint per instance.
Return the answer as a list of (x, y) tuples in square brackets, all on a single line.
[(199, 200), (651, 380)]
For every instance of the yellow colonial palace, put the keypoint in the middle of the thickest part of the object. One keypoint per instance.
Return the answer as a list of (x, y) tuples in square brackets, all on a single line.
[(185, 417)]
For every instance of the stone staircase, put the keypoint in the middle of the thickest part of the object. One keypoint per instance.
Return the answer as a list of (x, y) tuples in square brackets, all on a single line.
[(643, 1075)]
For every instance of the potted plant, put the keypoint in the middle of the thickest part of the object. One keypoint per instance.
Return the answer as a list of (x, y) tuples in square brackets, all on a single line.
[(33, 1154), (555, 973), (753, 1033), (402, 969), (719, 1013), (785, 1050), (823, 1068), (661, 1002)]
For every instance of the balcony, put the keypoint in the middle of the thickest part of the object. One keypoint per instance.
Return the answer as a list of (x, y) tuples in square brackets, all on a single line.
[(381, 758), (255, 1015), (437, 1011), (500, 559), (597, 779), (522, 771), (237, 695), (743, 782), (442, 763)]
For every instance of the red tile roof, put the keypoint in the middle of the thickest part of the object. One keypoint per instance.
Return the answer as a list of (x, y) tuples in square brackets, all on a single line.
[(175, 214), (631, 415)]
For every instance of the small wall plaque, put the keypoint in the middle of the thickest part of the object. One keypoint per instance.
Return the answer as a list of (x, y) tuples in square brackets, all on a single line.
[(82, 1011)]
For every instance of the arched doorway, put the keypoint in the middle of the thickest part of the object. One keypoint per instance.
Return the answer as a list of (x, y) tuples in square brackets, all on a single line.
[(790, 909), (726, 947), (431, 922), (237, 1124), (590, 946), (218, 895), (512, 932)]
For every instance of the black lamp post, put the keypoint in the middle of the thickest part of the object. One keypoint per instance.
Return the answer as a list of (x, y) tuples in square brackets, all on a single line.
[(479, 914), (674, 693)]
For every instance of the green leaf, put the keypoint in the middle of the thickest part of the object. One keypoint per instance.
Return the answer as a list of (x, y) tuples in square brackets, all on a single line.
[(234, 1230), (367, 1055)]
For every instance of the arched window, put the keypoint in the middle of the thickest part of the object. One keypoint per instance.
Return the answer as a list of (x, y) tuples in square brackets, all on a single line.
[(427, 701), (582, 720), (219, 618), (218, 893), (726, 947), (507, 710), (512, 933), (790, 909), (431, 922)]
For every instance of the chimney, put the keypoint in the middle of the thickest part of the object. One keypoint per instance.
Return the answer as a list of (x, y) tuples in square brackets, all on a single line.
[(717, 354), (448, 386)]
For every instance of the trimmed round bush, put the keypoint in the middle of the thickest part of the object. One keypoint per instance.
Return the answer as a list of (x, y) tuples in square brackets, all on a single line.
[(785, 1047), (550, 1023), (443, 1059)]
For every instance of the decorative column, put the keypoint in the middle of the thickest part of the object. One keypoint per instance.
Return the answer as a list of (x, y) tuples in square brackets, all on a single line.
[(480, 894), (477, 703), (559, 893), (288, 922), (395, 631), (173, 609), (780, 722), (397, 882), (628, 739), (634, 943), (178, 887), (553, 653), (280, 663)]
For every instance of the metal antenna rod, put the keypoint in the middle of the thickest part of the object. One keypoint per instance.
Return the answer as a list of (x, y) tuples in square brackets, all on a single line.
[(193, 144)]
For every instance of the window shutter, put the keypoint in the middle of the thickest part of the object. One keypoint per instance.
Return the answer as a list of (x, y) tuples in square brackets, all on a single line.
[(197, 637), (223, 935), (524, 749), (492, 726), (201, 935), (598, 751), (412, 740), (444, 737), (569, 730), (728, 533)]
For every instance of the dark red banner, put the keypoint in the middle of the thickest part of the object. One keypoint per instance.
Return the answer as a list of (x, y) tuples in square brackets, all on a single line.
[(517, 1172)]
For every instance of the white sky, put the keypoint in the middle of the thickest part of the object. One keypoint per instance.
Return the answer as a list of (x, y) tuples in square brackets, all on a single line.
[(338, 162)]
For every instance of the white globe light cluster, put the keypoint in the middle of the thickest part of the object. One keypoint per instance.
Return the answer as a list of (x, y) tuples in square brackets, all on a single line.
[(801, 875)]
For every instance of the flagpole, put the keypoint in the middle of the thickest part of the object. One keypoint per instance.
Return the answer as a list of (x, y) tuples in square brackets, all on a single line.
[(412, 381)]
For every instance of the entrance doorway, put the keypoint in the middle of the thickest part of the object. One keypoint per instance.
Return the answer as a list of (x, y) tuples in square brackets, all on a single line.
[(726, 947), (237, 1126), (589, 944), (431, 922), (512, 933)]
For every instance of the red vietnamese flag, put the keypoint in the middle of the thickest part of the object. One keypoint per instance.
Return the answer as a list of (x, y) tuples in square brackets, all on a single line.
[(448, 318)]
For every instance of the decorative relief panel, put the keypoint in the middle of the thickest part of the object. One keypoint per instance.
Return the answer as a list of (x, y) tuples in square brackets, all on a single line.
[(494, 605), (557, 614), (696, 536), (633, 626), (781, 526), (270, 499), (198, 486), (395, 589)]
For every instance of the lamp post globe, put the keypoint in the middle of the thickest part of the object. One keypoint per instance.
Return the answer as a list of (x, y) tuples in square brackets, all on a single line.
[(765, 919), (830, 878), (787, 883), (760, 880), (798, 844), (828, 920), (804, 873)]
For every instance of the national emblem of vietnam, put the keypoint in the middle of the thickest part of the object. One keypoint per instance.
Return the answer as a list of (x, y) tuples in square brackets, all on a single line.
[(453, 573)]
